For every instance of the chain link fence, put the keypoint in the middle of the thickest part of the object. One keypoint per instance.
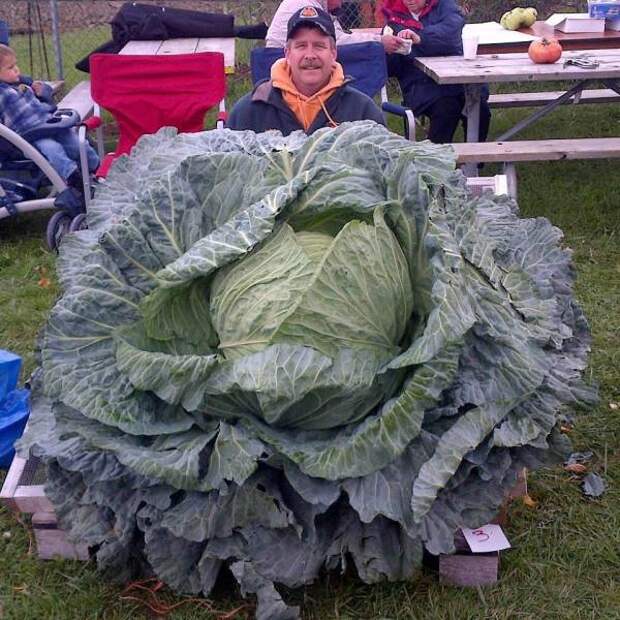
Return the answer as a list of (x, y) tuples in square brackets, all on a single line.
[(51, 36)]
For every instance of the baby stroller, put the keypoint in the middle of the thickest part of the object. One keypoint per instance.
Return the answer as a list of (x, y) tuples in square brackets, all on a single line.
[(29, 183)]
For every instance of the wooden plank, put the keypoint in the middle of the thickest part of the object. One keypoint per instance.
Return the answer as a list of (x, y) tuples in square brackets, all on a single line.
[(178, 46), (226, 45), (32, 498), (11, 482), (520, 487), (515, 100), (537, 150), (52, 542), (141, 48), (467, 570), (515, 68), (79, 99), (189, 45)]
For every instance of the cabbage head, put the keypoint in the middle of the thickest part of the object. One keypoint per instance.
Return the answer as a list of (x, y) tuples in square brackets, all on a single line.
[(274, 355)]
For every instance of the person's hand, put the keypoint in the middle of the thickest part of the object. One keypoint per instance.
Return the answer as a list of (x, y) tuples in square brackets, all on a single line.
[(410, 34), (391, 43), (38, 87)]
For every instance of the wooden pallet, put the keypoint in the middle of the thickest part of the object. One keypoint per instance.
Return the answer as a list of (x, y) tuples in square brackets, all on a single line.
[(467, 569), (23, 491)]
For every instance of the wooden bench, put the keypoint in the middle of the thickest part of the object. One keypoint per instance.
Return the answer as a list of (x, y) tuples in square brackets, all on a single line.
[(517, 100), (511, 152)]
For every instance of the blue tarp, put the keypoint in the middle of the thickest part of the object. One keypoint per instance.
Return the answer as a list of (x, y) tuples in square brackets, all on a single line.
[(14, 406)]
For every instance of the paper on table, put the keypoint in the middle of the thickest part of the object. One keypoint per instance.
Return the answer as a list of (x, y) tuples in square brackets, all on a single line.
[(487, 538), (493, 32)]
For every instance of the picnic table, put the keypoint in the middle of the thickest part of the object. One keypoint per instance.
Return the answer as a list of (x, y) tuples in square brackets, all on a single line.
[(226, 45), (489, 69)]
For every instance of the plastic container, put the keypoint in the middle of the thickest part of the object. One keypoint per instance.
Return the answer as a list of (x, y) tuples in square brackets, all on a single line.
[(10, 365), (14, 412), (4, 33), (604, 9), (14, 406)]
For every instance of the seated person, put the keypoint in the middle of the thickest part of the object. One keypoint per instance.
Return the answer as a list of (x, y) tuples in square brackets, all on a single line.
[(23, 108), (276, 35), (434, 28), (308, 89)]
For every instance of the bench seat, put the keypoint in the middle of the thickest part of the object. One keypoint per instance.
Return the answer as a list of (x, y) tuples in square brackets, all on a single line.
[(517, 100), (511, 152), (537, 150)]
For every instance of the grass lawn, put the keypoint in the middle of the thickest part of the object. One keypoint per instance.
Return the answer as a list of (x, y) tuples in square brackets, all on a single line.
[(566, 557)]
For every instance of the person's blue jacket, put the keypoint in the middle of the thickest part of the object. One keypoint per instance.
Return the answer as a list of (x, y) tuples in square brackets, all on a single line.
[(440, 36)]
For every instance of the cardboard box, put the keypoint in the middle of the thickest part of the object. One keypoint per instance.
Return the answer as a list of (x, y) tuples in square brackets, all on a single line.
[(576, 22)]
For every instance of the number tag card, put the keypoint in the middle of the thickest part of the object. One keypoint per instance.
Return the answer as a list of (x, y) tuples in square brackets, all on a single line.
[(486, 539)]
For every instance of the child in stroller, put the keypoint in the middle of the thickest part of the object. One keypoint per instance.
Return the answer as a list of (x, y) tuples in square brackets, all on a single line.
[(23, 108)]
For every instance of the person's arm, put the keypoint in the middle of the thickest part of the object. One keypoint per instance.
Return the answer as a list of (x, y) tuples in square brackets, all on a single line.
[(14, 109), (390, 43), (240, 117), (373, 113), (442, 38), (43, 91), (233, 120)]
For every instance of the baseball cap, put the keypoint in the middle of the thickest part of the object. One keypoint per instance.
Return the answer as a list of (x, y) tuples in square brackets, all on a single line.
[(311, 16)]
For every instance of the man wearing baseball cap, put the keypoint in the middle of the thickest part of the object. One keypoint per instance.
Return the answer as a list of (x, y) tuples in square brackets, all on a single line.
[(307, 89)]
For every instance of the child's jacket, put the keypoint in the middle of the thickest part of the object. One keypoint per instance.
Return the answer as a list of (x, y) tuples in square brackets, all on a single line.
[(20, 109)]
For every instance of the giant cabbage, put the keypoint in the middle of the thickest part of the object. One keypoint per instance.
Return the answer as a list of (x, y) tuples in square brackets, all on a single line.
[(274, 354)]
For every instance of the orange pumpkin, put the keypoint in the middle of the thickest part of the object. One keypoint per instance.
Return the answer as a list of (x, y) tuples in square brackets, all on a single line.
[(544, 51)]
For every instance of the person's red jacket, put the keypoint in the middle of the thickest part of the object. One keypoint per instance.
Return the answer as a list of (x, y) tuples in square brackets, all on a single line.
[(395, 11)]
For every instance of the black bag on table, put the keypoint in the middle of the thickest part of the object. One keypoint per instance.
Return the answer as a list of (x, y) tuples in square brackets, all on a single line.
[(145, 22)]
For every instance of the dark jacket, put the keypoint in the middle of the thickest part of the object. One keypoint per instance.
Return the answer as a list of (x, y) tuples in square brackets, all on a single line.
[(440, 36), (264, 109)]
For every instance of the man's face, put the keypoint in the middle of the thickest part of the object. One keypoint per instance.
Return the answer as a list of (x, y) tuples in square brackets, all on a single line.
[(9, 71), (311, 55), (415, 6)]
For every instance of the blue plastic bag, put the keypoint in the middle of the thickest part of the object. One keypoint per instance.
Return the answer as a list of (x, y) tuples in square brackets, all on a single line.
[(14, 406)]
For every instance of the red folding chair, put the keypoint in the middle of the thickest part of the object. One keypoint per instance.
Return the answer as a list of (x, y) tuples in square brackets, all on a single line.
[(146, 93)]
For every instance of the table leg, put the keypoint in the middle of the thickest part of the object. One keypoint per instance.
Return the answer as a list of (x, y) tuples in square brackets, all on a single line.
[(613, 84), (471, 110), (526, 122)]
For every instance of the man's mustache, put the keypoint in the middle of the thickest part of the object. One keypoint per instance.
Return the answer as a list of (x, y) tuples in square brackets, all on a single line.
[(310, 65)]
